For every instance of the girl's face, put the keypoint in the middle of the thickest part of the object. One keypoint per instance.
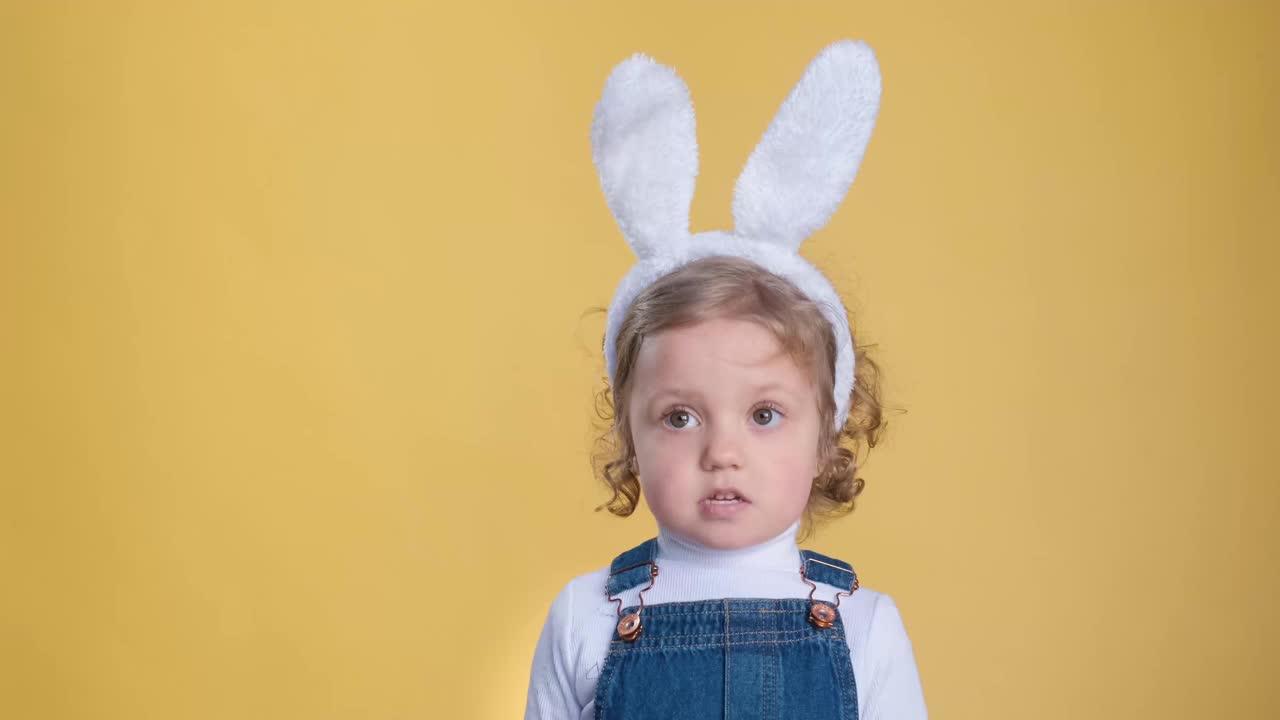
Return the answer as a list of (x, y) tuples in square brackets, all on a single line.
[(725, 430)]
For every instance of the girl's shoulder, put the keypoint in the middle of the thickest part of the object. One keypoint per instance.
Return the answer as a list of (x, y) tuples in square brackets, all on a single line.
[(582, 597), (873, 624), (579, 625), (585, 589)]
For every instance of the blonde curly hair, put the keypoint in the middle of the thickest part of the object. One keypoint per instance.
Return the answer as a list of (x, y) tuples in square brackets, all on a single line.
[(720, 287)]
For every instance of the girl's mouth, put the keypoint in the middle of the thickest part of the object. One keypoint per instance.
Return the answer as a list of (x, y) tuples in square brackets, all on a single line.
[(724, 498), (723, 503)]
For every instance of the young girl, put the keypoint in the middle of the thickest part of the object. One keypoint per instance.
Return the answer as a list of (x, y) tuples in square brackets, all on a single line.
[(734, 377)]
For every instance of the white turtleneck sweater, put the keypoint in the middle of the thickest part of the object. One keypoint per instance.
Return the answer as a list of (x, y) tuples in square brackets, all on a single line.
[(575, 639)]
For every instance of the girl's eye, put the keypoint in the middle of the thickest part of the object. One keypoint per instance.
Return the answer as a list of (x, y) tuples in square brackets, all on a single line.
[(681, 419), (766, 416)]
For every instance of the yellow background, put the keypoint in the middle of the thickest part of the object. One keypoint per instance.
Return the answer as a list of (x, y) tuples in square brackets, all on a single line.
[(296, 390)]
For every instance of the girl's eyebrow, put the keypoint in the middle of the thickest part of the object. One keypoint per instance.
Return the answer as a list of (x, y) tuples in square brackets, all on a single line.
[(662, 393), (769, 387)]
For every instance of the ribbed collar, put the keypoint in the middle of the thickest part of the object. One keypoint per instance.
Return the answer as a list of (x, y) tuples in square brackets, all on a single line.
[(777, 553)]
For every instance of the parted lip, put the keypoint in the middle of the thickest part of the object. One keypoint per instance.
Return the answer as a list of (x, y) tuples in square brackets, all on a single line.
[(728, 492)]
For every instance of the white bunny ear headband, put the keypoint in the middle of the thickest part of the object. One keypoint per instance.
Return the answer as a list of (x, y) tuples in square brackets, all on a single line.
[(644, 146)]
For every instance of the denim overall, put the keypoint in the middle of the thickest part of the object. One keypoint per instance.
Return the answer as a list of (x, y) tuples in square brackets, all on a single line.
[(746, 659)]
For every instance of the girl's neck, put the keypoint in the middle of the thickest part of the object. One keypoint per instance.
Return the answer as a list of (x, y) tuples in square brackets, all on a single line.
[(778, 552)]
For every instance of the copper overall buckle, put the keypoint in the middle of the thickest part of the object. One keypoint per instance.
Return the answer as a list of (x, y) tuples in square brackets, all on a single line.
[(822, 615), (630, 625)]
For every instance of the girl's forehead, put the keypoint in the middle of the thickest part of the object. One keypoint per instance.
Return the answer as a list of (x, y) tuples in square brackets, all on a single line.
[(722, 350), (730, 339)]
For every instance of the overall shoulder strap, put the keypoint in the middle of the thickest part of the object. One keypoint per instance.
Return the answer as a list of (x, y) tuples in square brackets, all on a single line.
[(824, 569), (633, 567)]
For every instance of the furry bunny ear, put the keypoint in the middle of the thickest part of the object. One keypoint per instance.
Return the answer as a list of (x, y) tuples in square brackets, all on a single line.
[(804, 165), (644, 144)]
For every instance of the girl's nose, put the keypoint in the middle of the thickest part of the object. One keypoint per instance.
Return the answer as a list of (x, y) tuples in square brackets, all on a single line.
[(723, 450)]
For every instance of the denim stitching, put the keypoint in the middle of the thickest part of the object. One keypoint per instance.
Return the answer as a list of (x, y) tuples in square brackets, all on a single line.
[(740, 633), (728, 661), (660, 648), (711, 641), (661, 610), (769, 685), (652, 611), (849, 685), (604, 683)]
